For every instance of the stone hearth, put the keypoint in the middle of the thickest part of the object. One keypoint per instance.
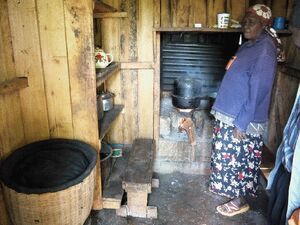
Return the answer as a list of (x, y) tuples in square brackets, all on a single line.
[(175, 151)]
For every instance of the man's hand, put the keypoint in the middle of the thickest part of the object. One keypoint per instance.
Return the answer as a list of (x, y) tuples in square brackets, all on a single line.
[(238, 134)]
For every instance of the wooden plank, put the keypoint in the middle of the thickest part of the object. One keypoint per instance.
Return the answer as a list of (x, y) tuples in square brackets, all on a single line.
[(173, 10), (128, 53), (136, 65), (145, 103), (289, 8), (209, 30), (110, 28), (108, 118), (156, 13), (140, 164), (11, 121), (113, 191), (156, 89), (165, 18), (213, 8), (55, 65), (145, 77), (237, 9), (79, 41), (137, 203), (144, 34), (156, 74), (183, 12), (28, 61), (199, 12), (279, 8), (283, 96), (155, 183), (130, 125), (111, 15), (105, 73), (13, 85), (203, 30)]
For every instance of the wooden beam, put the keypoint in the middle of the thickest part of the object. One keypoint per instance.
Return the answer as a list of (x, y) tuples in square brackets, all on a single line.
[(136, 65), (111, 203), (111, 15), (156, 92), (13, 85)]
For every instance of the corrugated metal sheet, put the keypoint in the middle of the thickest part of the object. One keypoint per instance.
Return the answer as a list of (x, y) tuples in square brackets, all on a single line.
[(205, 60)]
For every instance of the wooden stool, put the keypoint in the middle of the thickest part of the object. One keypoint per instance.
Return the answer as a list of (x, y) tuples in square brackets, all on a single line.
[(138, 180)]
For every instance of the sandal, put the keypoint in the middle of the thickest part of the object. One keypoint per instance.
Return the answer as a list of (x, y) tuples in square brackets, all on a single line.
[(233, 207)]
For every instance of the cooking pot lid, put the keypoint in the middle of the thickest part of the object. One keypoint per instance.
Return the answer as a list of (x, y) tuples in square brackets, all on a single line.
[(106, 95)]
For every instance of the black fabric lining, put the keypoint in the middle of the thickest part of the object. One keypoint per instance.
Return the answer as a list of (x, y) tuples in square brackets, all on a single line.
[(48, 166)]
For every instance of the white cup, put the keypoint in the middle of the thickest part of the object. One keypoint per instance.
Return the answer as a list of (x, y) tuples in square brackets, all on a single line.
[(223, 20)]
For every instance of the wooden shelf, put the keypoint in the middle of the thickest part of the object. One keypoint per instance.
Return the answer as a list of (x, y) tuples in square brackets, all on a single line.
[(108, 118), (208, 30), (103, 74), (110, 15), (191, 29)]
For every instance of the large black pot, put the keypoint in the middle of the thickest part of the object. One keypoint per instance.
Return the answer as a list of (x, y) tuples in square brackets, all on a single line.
[(187, 93)]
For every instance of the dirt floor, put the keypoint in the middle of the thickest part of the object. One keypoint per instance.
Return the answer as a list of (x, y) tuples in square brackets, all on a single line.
[(183, 199)]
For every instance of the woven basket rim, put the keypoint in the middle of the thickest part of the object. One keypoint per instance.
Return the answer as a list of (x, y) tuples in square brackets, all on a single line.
[(6, 164)]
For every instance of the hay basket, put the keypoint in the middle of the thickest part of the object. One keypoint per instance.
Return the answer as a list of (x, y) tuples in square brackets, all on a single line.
[(49, 182)]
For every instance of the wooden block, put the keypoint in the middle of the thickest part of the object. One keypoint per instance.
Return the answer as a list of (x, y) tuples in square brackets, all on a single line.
[(155, 183), (152, 212), (122, 211), (111, 203), (137, 203)]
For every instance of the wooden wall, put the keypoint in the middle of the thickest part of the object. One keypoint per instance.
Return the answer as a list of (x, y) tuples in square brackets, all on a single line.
[(185, 13), (284, 93), (130, 40), (50, 43)]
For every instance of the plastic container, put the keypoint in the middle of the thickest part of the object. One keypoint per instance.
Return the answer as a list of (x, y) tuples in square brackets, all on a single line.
[(279, 23)]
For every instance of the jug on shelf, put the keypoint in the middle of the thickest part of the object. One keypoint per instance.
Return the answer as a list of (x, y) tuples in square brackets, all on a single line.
[(102, 59)]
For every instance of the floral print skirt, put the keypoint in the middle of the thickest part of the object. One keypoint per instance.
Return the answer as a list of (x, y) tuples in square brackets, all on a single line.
[(234, 164)]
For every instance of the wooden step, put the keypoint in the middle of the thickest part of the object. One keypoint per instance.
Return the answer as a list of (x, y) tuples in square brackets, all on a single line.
[(140, 165)]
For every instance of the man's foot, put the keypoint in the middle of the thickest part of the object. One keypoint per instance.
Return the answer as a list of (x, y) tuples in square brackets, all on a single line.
[(233, 207)]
